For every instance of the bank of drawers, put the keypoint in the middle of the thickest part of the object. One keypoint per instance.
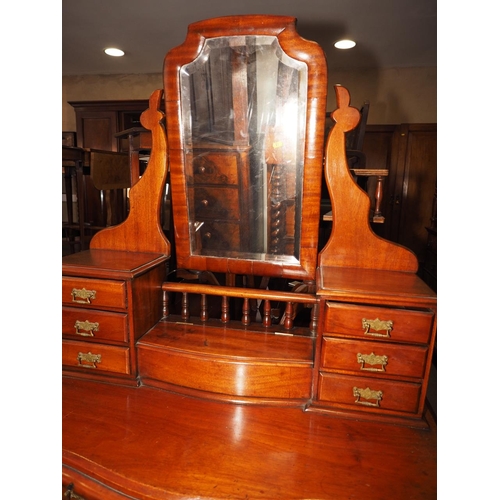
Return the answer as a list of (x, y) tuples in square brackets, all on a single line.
[(220, 196), (95, 326), (374, 358)]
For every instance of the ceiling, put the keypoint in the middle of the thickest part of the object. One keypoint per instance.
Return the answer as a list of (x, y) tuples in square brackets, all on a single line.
[(389, 33)]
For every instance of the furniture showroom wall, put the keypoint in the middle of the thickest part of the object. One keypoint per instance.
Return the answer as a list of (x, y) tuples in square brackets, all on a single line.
[(396, 95)]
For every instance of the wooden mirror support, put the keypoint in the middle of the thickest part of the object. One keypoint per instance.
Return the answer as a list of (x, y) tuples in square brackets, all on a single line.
[(352, 243), (142, 231), (213, 140)]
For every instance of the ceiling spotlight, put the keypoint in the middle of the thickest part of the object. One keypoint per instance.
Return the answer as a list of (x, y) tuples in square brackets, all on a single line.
[(114, 52), (344, 44)]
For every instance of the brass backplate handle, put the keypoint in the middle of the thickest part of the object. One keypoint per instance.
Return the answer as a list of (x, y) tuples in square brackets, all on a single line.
[(88, 360), (372, 359), (69, 493), (82, 296), (374, 326), (86, 328), (367, 394)]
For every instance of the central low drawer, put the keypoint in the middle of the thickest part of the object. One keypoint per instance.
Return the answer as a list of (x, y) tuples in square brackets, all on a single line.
[(93, 293), (364, 392), (96, 357), (91, 324), (378, 323), (369, 357)]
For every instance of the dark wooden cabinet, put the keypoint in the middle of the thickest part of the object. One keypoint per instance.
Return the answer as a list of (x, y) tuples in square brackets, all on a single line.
[(409, 152), (97, 123)]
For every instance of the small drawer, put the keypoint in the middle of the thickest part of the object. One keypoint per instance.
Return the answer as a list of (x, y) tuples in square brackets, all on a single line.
[(95, 357), (88, 324), (215, 168), (368, 393), (373, 358), (378, 323), (217, 203), (94, 293)]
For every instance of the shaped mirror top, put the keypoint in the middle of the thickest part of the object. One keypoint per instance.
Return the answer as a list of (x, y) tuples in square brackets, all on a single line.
[(243, 107)]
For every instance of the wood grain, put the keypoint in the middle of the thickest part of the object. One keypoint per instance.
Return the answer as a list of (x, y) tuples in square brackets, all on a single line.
[(151, 444)]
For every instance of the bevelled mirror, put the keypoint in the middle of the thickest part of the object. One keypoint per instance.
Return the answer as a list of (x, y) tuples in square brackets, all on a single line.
[(245, 99)]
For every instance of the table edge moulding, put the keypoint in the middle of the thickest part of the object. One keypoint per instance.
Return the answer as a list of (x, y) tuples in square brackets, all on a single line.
[(306, 367)]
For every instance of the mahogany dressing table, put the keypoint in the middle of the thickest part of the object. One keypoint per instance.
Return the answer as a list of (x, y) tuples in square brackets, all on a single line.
[(274, 371)]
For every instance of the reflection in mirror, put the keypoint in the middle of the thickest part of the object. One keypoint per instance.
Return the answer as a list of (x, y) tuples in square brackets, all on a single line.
[(243, 112)]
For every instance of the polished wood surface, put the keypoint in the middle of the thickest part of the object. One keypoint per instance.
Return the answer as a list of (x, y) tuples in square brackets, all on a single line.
[(152, 444)]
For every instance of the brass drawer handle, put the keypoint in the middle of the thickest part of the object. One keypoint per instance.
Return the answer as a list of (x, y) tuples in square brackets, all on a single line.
[(367, 394), (82, 296), (88, 360), (373, 326), (86, 328), (372, 359)]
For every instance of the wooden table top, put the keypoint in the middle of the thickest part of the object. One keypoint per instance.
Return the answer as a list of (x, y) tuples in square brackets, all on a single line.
[(150, 443)]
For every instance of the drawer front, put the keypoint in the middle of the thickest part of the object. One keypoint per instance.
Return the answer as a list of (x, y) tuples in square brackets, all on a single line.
[(217, 203), (375, 358), (94, 325), (215, 168), (378, 323), (368, 393), (90, 293), (96, 357), (220, 236)]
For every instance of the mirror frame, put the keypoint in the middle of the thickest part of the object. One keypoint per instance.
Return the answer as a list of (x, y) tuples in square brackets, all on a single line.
[(284, 28)]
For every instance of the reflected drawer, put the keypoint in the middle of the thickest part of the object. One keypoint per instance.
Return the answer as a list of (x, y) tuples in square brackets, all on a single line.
[(90, 293), (373, 357), (220, 236), (215, 168), (365, 392), (94, 325), (378, 323), (95, 357), (217, 203)]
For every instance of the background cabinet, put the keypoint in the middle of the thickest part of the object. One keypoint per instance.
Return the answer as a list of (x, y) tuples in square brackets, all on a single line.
[(97, 123), (409, 152)]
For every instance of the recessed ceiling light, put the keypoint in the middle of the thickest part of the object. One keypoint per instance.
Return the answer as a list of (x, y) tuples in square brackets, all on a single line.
[(344, 44), (114, 52)]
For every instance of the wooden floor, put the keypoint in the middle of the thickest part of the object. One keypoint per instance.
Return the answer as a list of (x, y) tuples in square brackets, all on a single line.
[(149, 443)]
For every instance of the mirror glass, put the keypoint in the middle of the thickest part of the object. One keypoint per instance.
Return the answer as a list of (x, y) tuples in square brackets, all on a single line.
[(243, 116)]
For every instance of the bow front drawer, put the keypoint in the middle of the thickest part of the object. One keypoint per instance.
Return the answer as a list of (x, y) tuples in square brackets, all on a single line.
[(378, 323), (83, 292)]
